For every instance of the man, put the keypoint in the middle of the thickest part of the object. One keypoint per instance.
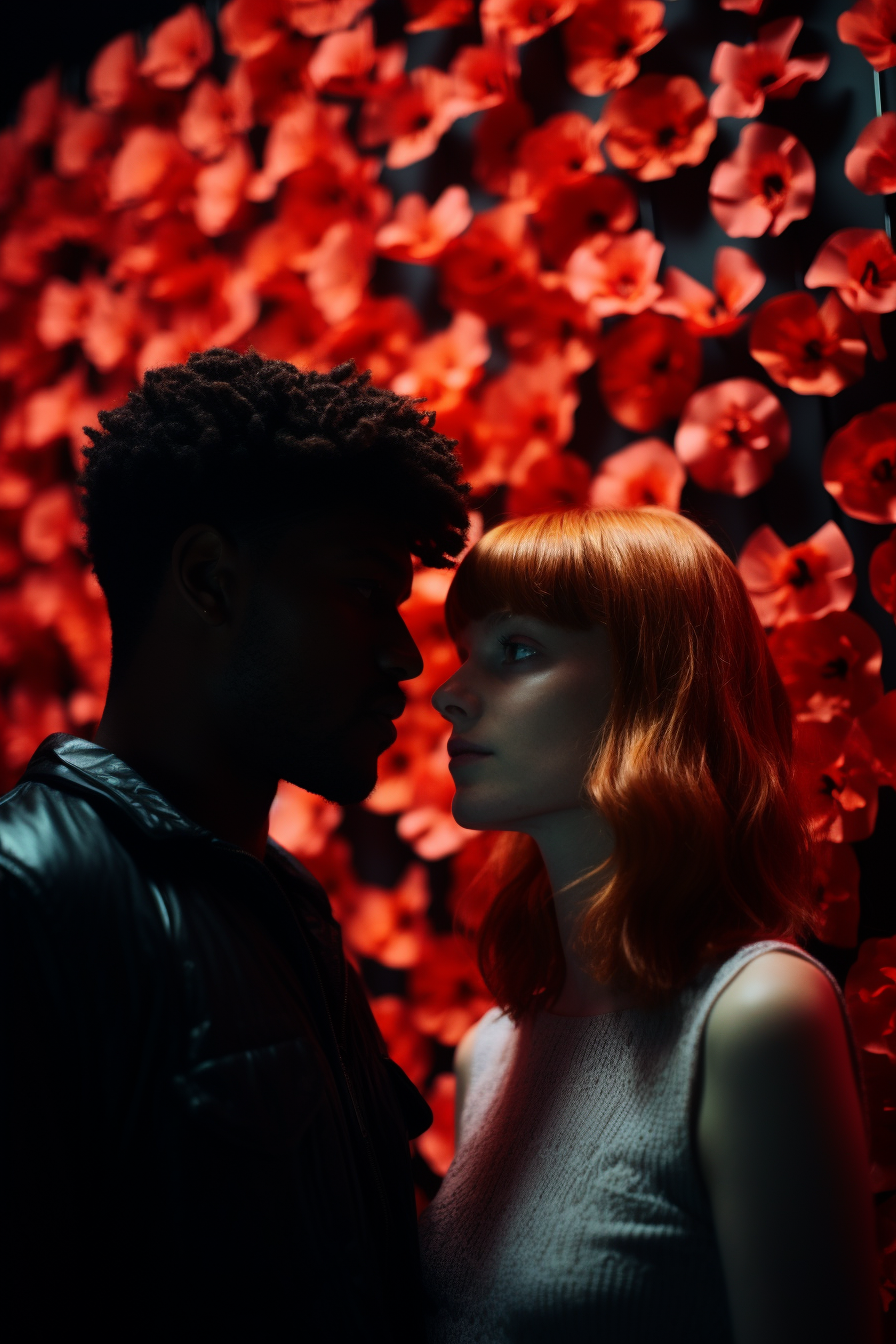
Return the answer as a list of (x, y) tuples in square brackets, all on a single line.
[(203, 1137)]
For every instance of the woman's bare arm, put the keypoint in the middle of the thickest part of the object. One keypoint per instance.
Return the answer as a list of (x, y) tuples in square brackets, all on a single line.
[(782, 1148)]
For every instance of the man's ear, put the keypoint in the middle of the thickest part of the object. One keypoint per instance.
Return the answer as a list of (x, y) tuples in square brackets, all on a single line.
[(203, 565)]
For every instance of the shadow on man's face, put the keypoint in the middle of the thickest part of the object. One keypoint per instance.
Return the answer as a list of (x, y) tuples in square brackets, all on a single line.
[(319, 648)]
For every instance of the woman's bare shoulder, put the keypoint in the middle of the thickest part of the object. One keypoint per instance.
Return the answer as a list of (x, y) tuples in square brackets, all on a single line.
[(777, 996)]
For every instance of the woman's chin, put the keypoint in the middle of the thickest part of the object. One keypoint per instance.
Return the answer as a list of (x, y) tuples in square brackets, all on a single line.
[(479, 816)]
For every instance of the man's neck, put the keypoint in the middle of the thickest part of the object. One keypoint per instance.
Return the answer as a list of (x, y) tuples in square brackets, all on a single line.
[(170, 745)]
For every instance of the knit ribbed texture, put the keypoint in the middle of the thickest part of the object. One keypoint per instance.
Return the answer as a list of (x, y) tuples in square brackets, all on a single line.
[(574, 1209)]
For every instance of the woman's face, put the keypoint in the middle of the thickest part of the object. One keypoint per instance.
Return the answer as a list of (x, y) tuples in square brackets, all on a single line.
[(525, 706)]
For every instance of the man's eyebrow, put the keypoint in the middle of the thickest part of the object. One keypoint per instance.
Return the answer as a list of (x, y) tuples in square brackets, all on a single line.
[(396, 570)]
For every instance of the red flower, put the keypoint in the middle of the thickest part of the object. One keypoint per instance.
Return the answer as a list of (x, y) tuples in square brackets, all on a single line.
[(278, 77), (487, 270), (604, 39), (745, 6), (871, 1001), (767, 183), (427, 14), (731, 435), (736, 279), (420, 232), (861, 266), (649, 367), (410, 1050), (616, 274), (306, 131), (644, 473), (871, 165), (550, 322), (835, 883), (380, 335), (791, 583), (178, 49), (342, 62), (834, 780), (815, 351), (85, 140), (871, 997), (481, 79), (526, 414), (859, 465), (496, 140), (565, 149), (746, 76), (220, 189), (152, 166), (573, 211), (302, 822), (556, 482), (871, 26), (518, 21), (829, 666), (446, 990), (656, 125), (50, 525), (412, 118), (214, 115), (436, 1145), (882, 574), (315, 17), (389, 926), (442, 368), (878, 728)]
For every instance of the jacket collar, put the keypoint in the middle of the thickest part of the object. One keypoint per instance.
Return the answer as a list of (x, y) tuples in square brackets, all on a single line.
[(91, 769), (83, 767)]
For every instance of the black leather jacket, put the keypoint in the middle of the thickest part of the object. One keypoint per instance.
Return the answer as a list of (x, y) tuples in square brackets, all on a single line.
[(202, 1136)]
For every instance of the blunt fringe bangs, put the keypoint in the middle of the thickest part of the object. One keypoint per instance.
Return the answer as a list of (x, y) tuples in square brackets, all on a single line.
[(693, 768)]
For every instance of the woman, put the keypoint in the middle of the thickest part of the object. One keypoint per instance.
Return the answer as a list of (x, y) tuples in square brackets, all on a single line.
[(660, 1129)]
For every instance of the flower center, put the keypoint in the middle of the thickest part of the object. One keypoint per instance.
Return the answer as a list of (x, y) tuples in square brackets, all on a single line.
[(801, 575), (870, 275), (884, 470), (773, 187), (597, 221), (623, 47), (812, 350), (665, 135), (835, 668)]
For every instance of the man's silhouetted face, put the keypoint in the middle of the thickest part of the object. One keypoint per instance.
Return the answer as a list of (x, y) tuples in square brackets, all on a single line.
[(309, 681)]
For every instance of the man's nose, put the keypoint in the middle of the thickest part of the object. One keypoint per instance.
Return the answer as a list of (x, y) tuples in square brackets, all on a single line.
[(401, 658)]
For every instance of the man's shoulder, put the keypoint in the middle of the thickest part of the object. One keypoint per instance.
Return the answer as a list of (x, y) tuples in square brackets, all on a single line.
[(55, 844)]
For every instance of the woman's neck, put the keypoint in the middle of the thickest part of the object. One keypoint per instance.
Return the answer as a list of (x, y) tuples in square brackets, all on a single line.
[(573, 844)]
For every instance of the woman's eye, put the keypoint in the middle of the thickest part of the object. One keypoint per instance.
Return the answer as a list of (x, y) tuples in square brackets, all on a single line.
[(515, 652), (366, 590)]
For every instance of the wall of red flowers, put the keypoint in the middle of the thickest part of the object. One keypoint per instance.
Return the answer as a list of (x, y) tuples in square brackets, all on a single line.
[(629, 253)]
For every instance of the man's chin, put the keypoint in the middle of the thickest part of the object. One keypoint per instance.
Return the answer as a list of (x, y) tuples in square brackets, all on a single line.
[(346, 785)]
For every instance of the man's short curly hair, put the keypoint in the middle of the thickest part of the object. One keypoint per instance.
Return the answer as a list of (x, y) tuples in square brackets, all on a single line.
[(250, 444)]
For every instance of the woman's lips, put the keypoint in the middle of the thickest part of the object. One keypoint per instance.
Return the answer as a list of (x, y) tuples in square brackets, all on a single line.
[(461, 752), (467, 758)]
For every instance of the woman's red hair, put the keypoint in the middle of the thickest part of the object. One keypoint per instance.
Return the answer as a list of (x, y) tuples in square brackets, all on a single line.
[(692, 769)]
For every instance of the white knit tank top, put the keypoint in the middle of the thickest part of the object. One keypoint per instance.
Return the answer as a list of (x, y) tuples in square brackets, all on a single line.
[(574, 1209)]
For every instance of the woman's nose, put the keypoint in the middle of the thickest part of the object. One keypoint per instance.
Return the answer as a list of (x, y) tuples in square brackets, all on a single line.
[(455, 701)]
